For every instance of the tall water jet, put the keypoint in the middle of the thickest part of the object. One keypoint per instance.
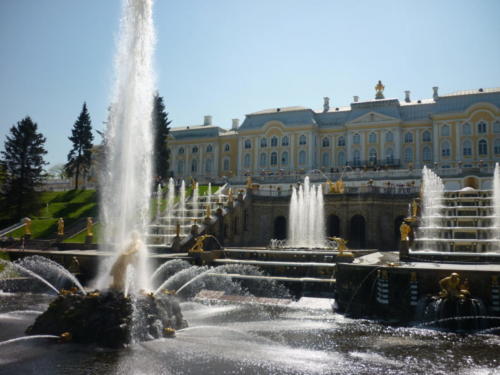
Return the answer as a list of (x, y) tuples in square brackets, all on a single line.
[(306, 213), (432, 203), (169, 210), (195, 201), (496, 204), (126, 184), (182, 200)]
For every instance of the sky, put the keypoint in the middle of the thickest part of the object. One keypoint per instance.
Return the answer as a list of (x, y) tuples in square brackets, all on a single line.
[(228, 58)]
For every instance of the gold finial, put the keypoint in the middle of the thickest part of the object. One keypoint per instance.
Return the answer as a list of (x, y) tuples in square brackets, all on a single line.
[(379, 88)]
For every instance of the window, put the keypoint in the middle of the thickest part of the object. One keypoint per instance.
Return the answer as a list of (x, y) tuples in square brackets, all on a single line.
[(284, 141), (445, 149), (263, 142), (372, 156), (427, 154), (194, 150), (302, 140), (302, 157), (408, 137), (356, 158), (466, 129), (481, 127), (389, 156), (496, 127), (408, 155), (181, 150), (483, 147), (341, 141), (389, 137), (325, 159), (274, 142), (208, 166), (263, 160), (326, 142), (445, 131), (194, 165), (246, 161), (180, 167), (467, 148), (225, 165), (341, 159), (372, 138), (356, 139), (248, 144), (274, 158), (426, 136), (210, 148), (226, 148), (497, 146), (284, 158)]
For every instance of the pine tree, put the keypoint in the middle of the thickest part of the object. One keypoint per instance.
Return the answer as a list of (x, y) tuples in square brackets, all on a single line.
[(80, 156), (161, 130), (23, 165)]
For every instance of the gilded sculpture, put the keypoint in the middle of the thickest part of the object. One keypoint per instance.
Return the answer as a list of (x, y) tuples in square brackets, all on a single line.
[(128, 257), (451, 287)]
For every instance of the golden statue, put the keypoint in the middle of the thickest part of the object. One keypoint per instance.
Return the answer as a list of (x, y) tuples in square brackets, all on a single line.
[(341, 244), (405, 231), (60, 227), (128, 257), (230, 195), (198, 245), (380, 90), (451, 287), (27, 226), (90, 225), (414, 208), (336, 187), (209, 212), (249, 182)]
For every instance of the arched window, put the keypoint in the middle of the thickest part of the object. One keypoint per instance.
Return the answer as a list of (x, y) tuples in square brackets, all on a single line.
[(341, 141), (483, 147), (467, 148), (445, 149), (341, 159), (356, 139), (426, 136), (497, 146), (274, 142), (445, 131), (389, 156), (263, 142), (302, 157), (208, 165), (372, 138), (372, 156), (180, 167), (284, 158), (181, 151), (274, 158), (481, 127), (356, 159), (408, 155), (302, 140), (226, 148), (194, 165), (210, 148), (263, 160), (408, 137), (194, 150), (246, 161), (427, 154), (248, 144), (389, 137), (496, 127), (325, 159), (326, 142), (225, 165), (284, 141), (466, 129)]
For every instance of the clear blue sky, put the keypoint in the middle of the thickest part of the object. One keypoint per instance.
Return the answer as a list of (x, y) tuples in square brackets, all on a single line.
[(227, 58)]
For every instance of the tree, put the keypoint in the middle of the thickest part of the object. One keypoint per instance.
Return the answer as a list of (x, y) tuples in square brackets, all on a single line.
[(80, 156), (161, 130), (23, 163)]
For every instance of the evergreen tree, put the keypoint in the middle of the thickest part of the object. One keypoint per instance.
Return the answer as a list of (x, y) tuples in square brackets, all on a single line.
[(80, 156), (161, 130), (23, 165)]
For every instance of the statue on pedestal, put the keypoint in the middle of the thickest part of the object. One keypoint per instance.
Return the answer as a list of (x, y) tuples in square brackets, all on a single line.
[(128, 257), (60, 227), (379, 88)]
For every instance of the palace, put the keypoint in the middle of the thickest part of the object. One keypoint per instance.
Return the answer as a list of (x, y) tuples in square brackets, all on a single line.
[(457, 130)]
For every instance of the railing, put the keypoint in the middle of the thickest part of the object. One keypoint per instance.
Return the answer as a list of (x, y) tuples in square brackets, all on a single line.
[(354, 190)]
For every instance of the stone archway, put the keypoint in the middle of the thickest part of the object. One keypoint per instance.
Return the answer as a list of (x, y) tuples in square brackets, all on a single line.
[(472, 182), (333, 225), (357, 232), (280, 228)]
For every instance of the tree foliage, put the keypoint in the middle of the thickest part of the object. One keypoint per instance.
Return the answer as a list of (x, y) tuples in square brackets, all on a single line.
[(161, 130), (80, 156), (23, 164)]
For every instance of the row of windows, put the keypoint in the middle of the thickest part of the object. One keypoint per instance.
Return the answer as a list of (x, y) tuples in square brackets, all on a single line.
[(274, 142), (481, 128)]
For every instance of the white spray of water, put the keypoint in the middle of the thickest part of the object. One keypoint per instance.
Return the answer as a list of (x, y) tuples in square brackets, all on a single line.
[(432, 197), (126, 184), (195, 201), (496, 203)]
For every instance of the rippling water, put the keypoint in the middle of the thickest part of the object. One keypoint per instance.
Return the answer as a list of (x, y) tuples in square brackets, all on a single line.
[(252, 339)]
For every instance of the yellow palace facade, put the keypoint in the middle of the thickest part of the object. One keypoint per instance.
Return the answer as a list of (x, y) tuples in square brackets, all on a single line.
[(456, 130)]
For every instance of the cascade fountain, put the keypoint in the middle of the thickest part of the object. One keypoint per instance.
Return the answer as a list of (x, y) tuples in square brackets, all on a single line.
[(307, 217), (496, 204)]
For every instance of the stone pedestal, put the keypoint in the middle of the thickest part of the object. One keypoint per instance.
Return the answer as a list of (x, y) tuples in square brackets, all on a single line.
[(194, 230), (59, 238), (88, 240), (404, 250), (176, 243)]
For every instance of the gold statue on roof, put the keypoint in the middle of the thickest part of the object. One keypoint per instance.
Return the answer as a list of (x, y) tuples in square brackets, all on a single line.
[(379, 88)]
